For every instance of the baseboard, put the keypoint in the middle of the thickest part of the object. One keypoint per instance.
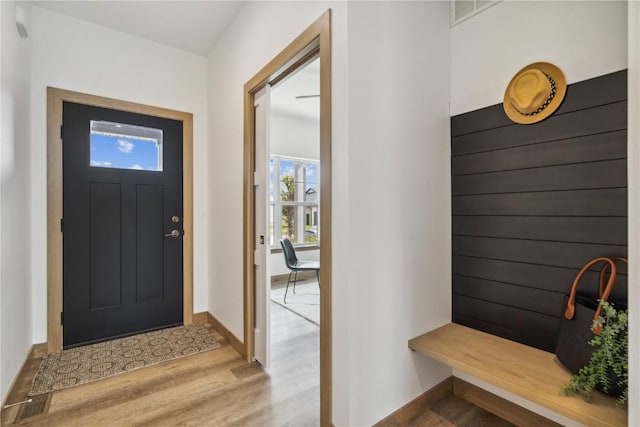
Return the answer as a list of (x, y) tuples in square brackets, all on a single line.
[(16, 392), (499, 406), (201, 317), (302, 275), (419, 405), (205, 316)]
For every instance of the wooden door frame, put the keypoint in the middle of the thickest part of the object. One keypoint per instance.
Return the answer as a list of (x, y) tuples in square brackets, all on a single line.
[(316, 37), (55, 99)]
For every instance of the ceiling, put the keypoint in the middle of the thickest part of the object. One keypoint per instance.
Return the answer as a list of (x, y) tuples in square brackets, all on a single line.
[(304, 82), (193, 26)]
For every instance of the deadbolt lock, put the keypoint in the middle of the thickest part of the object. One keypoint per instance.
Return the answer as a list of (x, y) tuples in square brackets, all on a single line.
[(175, 218)]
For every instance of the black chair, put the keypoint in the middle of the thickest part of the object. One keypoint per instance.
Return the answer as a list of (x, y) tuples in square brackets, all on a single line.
[(294, 265)]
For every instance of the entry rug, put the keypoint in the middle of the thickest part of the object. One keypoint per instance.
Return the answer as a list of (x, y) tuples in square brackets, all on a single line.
[(89, 363), (305, 302)]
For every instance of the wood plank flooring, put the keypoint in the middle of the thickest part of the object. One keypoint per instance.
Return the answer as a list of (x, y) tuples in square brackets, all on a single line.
[(455, 411), (214, 388)]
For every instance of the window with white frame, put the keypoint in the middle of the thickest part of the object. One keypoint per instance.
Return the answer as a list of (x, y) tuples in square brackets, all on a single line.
[(294, 192)]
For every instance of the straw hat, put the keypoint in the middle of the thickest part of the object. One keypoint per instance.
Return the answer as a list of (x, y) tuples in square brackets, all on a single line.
[(534, 93)]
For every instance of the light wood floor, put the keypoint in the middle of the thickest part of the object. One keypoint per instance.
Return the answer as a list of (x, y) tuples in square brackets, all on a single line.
[(455, 412), (217, 388), (214, 388)]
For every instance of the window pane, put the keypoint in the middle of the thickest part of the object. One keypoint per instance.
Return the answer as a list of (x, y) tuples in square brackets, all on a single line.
[(296, 206), (289, 222), (311, 182), (123, 146), (287, 180), (272, 237), (310, 224), (272, 179)]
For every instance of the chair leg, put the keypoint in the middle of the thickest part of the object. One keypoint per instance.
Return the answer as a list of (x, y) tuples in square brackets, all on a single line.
[(295, 277), (287, 290)]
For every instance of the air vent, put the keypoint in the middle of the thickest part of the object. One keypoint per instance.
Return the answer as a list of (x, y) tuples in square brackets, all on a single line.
[(461, 10)]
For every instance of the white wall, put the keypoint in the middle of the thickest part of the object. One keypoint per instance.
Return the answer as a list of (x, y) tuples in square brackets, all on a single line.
[(633, 168), (398, 141), (584, 38), (71, 54), (294, 135), (399, 210), (15, 172)]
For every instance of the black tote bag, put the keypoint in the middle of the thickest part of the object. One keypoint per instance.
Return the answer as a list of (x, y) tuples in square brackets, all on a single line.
[(573, 350)]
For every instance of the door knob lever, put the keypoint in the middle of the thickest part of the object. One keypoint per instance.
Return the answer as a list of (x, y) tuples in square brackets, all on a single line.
[(174, 233)]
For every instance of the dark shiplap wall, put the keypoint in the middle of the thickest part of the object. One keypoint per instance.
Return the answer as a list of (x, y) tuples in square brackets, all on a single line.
[(532, 204)]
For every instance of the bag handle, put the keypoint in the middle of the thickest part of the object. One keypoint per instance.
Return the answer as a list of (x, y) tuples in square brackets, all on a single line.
[(571, 308), (603, 272)]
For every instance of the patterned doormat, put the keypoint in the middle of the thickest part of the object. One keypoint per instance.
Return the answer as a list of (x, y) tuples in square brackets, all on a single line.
[(89, 363)]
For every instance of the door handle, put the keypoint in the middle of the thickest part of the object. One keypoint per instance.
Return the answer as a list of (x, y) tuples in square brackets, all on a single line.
[(174, 234)]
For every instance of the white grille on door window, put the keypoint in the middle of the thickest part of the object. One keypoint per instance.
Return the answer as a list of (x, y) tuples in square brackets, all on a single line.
[(462, 10)]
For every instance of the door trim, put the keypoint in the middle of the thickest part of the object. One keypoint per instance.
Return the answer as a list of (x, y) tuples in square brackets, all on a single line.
[(55, 98), (316, 37)]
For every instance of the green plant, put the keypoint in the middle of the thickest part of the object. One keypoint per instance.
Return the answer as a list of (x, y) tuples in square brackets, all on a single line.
[(611, 355)]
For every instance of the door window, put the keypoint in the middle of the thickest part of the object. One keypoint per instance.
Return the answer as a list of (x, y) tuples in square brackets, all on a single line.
[(124, 146)]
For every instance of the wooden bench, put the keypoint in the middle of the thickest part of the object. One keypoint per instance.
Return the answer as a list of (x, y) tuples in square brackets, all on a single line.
[(528, 372)]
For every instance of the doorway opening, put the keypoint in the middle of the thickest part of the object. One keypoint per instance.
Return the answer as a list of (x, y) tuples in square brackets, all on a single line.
[(313, 43), (294, 192), (287, 230)]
